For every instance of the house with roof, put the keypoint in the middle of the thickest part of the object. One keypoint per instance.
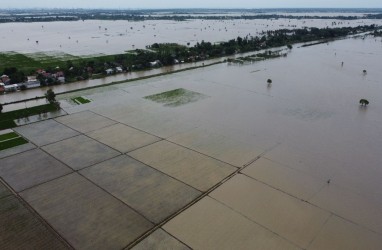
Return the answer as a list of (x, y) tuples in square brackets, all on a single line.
[(109, 71), (156, 63), (61, 79), (11, 88), (5, 79)]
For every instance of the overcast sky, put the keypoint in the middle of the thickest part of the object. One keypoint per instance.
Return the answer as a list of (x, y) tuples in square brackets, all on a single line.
[(134, 4)]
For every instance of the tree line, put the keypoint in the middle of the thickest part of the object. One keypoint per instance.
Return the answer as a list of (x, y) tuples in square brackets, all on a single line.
[(148, 15), (169, 54)]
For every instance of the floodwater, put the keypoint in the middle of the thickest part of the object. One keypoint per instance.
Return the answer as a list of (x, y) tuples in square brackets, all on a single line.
[(31, 93), (315, 142), (81, 38), (111, 37), (312, 105), (311, 108), (308, 154)]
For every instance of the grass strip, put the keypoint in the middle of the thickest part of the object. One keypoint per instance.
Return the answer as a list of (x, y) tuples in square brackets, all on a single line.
[(8, 136), (17, 114), (7, 118), (80, 100), (12, 143), (7, 124)]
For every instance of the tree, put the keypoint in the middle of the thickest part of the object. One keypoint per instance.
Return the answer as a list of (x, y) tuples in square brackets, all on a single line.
[(14, 74), (50, 96), (49, 81), (1, 107), (269, 81), (364, 102), (239, 40), (289, 46)]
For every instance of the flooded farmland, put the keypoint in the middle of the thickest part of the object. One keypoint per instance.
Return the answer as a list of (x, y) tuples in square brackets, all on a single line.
[(216, 157), (311, 105), (314, 140), (92, 37)]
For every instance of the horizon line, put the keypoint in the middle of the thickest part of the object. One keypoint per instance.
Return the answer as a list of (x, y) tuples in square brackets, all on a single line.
[(185, 8)]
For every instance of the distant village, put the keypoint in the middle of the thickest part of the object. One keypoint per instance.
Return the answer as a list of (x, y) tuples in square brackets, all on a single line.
[(33, 81), (44, 78), (57, 76), (158, 55)]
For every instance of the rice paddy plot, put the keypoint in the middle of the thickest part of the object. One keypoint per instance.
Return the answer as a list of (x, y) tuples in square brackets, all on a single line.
[(176, 97), (80, 100), (32, 61), (10, 140), (11, 58), (51, 56)]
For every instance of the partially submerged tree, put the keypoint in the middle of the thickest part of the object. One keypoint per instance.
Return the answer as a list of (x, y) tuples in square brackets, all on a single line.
[(364, 102), (269, 81), (50, 96)]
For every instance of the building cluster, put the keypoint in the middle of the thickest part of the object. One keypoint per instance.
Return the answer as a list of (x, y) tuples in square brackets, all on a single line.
[(6, 85), (41, 78)]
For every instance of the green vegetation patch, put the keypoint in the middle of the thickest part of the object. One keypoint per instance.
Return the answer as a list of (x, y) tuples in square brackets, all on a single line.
[(258, 57), (7, 118), (51, 57), (8, 136), (11, 59), (12, 143), (31, 61), (7, 124), (80, 100), (166, 46), (176, 97)]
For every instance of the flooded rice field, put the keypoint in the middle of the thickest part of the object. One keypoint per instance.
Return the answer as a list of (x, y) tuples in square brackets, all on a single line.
[(32, 93), (312, 106), (216, 157), (84, 38), (309, 154)]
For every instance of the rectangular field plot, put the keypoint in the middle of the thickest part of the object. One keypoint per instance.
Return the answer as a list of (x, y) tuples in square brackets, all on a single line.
[(210, 225), (195, 169), (85, 215), (21, 229), (10, 140), (31, 168), (80, 100), (45, 132), (176, 97), (80, 151), (219, 146), (150, 192), (122, 137), (85, 121)]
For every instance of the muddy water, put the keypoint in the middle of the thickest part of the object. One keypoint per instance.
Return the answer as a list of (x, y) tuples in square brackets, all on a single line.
[(109, 37), (310, 111), (31, 93), (308, 122), (112, 37)]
